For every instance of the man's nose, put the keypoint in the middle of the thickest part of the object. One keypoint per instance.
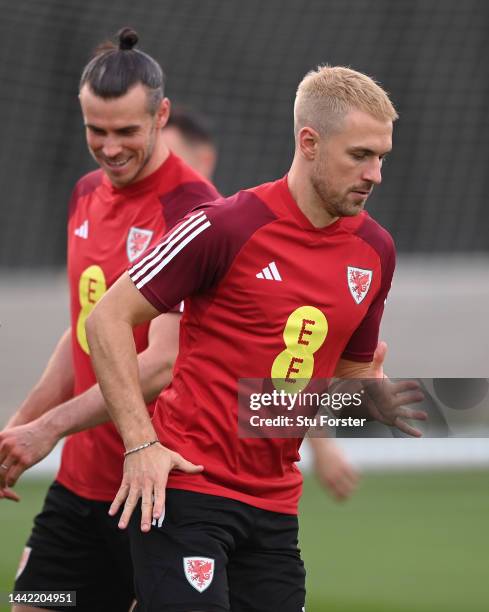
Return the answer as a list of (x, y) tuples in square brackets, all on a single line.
[(373, 172), (111, 148)]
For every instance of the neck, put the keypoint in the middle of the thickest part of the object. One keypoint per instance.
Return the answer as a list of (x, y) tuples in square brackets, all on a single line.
[(158, 157), (306, 197)]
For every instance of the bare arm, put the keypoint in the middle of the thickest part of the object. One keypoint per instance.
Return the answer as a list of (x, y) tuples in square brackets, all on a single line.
[(114, 359), (23, 446), (155, 365), (333, 470), (54, 387), (109, 334)]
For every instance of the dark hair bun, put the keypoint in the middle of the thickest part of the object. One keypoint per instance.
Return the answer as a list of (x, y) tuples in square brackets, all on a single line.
[(128, 39)]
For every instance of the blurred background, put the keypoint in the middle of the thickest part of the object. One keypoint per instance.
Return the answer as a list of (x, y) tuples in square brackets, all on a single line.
[(414, 538)]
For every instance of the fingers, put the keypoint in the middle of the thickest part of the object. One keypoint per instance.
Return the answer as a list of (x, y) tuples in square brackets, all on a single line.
[(7, 493), (412, 414), (390, 400), (129, 506), (145, 477), (158, 493), (146, 506), (4, 465), (119, 499), (15, 464), (13, 461), (159, 504), (406, 428), (408, 397), (13, 473), (179, 463), (153, 505), (3, 472), (405, 385)]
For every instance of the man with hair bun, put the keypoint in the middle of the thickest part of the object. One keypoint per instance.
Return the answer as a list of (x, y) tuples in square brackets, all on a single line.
[(116, 212), (285, 281)]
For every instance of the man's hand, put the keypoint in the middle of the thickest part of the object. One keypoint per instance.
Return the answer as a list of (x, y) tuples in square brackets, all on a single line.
[(388, 400), (145, 476), (333, 469), (20, 448)]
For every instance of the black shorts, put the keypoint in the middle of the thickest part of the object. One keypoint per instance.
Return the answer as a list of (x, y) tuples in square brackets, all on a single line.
[(214, 554), (76, 546)]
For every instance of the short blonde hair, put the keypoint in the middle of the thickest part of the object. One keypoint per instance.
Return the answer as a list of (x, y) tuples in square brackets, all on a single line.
[(325, 95)]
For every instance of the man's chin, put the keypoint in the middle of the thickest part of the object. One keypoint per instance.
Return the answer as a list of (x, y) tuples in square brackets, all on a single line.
[(352, 210), (117, 180)]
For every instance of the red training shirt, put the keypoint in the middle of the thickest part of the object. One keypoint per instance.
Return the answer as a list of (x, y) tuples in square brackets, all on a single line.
[(260, 281)]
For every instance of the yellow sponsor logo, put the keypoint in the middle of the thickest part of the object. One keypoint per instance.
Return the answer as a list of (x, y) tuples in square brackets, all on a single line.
[(91, 287), (304, 333)]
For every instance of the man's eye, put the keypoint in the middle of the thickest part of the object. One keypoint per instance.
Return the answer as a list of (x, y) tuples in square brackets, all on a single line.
[(128, 132)]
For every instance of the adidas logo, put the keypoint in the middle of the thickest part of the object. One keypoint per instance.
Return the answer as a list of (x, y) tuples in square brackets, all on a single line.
[(82, 231), (270, 272)]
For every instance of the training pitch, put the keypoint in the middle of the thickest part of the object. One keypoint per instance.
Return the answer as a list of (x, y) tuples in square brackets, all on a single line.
[(407, 542)]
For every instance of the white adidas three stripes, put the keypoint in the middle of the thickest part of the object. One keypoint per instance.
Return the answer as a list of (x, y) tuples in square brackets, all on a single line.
[(160, 256)]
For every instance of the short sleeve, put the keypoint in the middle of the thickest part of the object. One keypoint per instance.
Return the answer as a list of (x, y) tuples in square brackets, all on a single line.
[(189, 260), (363, 342)]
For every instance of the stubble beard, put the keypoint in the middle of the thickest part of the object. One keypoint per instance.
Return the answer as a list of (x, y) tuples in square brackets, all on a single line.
[(149, 153), (334, 202)]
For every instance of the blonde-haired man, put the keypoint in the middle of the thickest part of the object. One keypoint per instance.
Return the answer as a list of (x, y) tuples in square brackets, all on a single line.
[(188, 136), (284, 281)]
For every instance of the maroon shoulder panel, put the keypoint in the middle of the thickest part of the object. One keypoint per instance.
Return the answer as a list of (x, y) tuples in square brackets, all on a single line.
[(199, 251), (178, 202), (89, 182), (380, 240), (86, 185)]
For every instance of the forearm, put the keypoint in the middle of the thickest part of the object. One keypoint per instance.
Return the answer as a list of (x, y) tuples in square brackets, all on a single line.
[(319, 446), (89, 409), (320, 450), (324, 450), (115, 363), (53, 388)]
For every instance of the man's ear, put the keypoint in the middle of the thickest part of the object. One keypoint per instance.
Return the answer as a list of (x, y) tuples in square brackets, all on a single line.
[(308, 143), (163, 113)]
